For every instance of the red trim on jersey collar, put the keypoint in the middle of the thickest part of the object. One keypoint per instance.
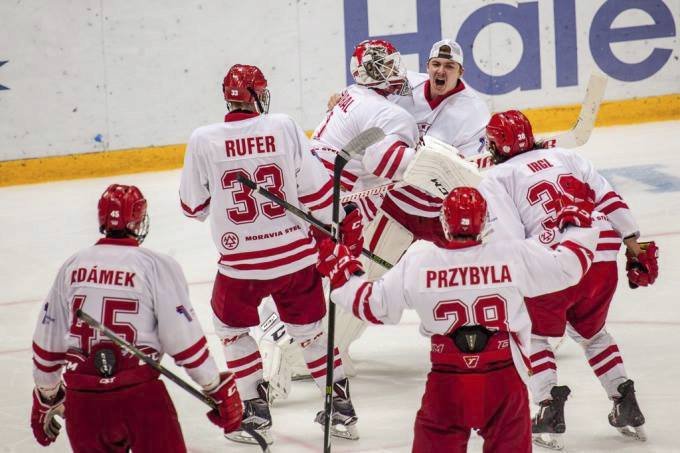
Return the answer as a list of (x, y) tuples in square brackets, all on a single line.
[(118, 241), (238, 115), (453, 245), (434, 103)]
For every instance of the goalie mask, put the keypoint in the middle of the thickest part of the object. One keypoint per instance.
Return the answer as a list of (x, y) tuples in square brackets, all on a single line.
[(463, 213), (123, 209), (246, 84), (377, 64), (508, 134)]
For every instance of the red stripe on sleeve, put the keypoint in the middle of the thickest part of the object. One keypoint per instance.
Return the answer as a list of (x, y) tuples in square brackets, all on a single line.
[(608, 196), (319, 194), (581, 253), (48, 355), (357, 299), (387, 156), (368, 314), (193, 212), (613, 207), (191, 350), (198, 362), (47, 369), (396, 162)]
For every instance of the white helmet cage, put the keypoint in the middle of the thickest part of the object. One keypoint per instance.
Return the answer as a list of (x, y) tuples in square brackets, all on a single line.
[(380, 69)]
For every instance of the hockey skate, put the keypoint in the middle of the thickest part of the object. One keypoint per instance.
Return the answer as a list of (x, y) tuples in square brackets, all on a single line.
[(626, 415), (343, 417), (256, 417), (548, 424)]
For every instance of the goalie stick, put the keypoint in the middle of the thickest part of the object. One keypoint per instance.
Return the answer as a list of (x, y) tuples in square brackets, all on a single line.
[(577, 136), (161, 369), (305, 216)]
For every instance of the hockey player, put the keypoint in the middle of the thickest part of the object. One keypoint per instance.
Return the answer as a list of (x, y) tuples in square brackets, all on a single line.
[(524, 192), (263, 250), (112, 400), (470, 300)]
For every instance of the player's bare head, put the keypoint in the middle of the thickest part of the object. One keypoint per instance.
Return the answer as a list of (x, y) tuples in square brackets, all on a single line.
[(245, 88), (463, 215), (508, 134), (377, 64), (444, 66), (122, 212)]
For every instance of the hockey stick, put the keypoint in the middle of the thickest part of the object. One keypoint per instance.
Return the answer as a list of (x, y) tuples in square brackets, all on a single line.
[(354, 148), (577, 136), (305, 216), (161, 369)]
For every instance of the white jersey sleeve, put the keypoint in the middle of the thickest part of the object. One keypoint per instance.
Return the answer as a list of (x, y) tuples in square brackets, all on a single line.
[(195, 182), (607, 201), (49, 337), (503, 219), (549, 270), (315, 187), (179, 329), (380, 302)]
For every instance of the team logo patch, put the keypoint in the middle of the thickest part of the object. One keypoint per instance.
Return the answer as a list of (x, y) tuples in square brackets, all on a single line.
[(547, 236), (229, 240), (471, 360), (181, 309)]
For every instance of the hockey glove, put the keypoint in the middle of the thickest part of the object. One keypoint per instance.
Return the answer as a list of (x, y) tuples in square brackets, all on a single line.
[(229, 409), (643, 269), (337, 263), (45, 427), (573, 215), (351, 230)]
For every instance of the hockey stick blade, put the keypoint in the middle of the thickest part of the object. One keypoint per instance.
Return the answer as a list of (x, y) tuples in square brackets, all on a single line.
[(306, 217), (358, 144), (579, 134), (108, 333)]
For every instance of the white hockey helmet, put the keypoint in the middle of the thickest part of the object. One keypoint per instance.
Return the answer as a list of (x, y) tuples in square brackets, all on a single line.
[(377, 64)]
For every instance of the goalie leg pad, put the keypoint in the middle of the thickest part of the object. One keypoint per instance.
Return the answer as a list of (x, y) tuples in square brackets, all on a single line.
[(386, 238)]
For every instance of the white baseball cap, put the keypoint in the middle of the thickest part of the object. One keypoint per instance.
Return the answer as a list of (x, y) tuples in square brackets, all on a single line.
[(449, 49)]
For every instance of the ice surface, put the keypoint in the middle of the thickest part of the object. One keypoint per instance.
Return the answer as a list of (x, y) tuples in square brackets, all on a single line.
[(45, 223)]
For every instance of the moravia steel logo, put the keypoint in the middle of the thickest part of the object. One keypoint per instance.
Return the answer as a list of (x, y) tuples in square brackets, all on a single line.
[(3, 87)]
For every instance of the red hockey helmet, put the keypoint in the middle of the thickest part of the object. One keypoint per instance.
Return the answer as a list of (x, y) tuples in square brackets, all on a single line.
[(245, 83), (508, 134), (377, 64), (123, 208), (463, 213)]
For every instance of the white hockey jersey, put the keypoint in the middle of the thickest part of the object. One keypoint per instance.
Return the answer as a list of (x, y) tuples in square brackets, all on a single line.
[(523, 195), (480, 285), (459, 119), (360, 108), (256, 238), (139, 294)]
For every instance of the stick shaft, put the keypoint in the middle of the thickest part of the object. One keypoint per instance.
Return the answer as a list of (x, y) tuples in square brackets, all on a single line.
[(305, 216), (108, 333)]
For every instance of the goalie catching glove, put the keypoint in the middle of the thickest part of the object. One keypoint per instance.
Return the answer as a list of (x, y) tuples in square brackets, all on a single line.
[(45, 427), (229, 409), (643, 269), (337, 263)]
